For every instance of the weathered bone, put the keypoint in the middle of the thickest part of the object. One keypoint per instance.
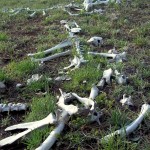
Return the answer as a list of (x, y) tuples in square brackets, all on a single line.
[(120, 78), (57, 55), (115, 57), (76, 62), (13, 107), (34, 78), (145, 109), (50, 140), (63, 44), (107, 74), (96, 41), (87, 102), (50, 119), (94, 92), (126, 101), (63, 99)]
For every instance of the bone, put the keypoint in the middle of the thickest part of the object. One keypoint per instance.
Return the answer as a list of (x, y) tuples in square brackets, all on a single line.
[(50, 119), (120, 78), (49, 58), (95, 116), (34, 78), (63, 44), (107, 74), (87, 102), (76, 63), (96, 41), (94, 92), (115, 57), (63, 99), (13, 107), (126, 101), (51, 139), (145, 109), (63, 78)]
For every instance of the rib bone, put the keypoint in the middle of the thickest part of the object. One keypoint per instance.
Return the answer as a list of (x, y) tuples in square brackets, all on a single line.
[(131, 127), (52, 57), (63, 44)]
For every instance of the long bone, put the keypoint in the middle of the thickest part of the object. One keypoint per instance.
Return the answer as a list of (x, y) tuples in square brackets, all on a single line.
[(50, 140), (145, 109), (68, 52), (63, 44), (50, 119), (115, 57), (78, 48), (13, 107)]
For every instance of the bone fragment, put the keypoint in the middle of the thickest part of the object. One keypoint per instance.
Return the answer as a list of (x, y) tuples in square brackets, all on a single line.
[(57, 55), (120, 78), (63, 44), (76, 62), (145, 109), (96, 41), (12, 107), (34, 78), (87, 102), (126, 101), (94, 92)]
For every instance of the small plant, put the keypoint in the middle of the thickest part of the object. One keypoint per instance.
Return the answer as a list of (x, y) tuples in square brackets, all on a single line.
[(3, 36)]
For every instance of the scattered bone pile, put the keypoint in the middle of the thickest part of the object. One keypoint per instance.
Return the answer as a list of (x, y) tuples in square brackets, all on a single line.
[(66, 107)]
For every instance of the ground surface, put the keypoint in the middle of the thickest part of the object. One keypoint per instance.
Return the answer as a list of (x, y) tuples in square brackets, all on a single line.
[(20, 35)]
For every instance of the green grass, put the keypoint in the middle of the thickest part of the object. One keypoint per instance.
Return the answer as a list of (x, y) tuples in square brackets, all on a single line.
[(20, 35)]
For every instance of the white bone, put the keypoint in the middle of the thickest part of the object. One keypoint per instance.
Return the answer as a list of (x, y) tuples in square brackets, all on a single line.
[(50, 140), (112, 51), (63, 99), (33, 14), (96, 41), (76, 62), (126, 101), (120, 78), (87, 102), (34, 78), (63, 44), (115, 57), (50, 119), (94, 92), (63, 78), (107, 74), (95, 116), (145, 109), (57, 55)]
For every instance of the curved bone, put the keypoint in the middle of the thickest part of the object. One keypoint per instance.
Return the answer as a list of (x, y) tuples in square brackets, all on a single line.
[(87, 102), (50, 140), (76, 62), (63, 44), (13, 107), (50, 119), (145, 109), (126, 101), (68, 52)]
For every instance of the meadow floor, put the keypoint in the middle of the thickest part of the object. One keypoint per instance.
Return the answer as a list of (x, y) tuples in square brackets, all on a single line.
[(125, 28)]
